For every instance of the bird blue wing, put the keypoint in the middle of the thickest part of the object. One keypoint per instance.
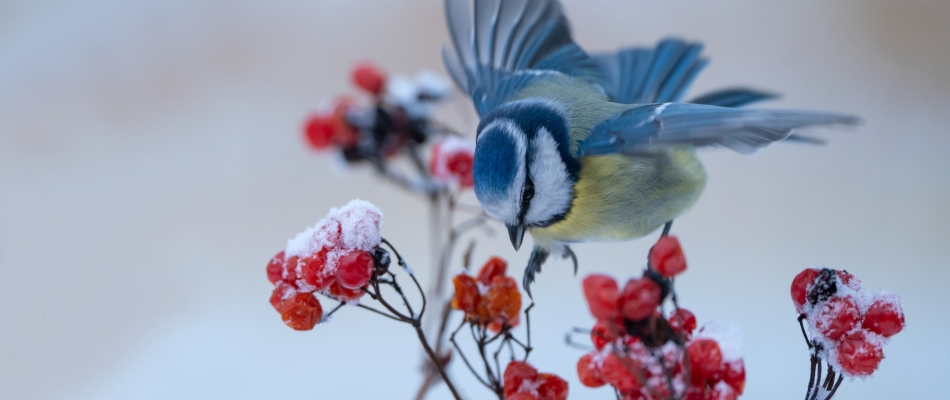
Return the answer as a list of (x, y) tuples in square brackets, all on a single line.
[(744, 130), (738, 97), (642, 75), (500, 46)]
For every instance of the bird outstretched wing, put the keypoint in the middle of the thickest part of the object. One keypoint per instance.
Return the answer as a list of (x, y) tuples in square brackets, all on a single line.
[(744, 130), (508, 43)]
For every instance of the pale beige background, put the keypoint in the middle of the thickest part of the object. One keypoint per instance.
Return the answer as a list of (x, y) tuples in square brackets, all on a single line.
[(150, 164)]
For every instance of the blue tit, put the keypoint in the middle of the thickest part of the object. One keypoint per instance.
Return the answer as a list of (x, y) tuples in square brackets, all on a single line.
[(576, 147)]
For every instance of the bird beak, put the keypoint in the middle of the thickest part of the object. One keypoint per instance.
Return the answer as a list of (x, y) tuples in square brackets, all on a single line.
[(516, 234)]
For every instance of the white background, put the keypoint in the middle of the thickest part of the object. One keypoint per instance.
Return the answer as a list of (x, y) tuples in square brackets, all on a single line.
[(151, 163)]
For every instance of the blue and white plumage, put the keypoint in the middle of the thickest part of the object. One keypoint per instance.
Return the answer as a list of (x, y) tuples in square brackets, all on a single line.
[(575, 147)]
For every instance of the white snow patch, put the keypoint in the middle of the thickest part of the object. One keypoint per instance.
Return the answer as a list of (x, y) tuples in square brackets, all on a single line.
[(727, 335)]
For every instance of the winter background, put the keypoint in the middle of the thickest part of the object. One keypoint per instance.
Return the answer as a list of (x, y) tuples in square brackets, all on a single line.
[(151, 163)]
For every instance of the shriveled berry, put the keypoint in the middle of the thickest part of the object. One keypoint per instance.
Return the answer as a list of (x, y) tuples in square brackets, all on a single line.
[(885, 316), (495, 266), (617, 372), (683, 321), (552, 387), (639, 299), (604, 332), (837, 316), (824, 286), (275, 268), (339, 292), (301, 312), (705, 359), (603, 296), (355, 269), (589, 372), (735, 375), (515, 374), (667, 257), (369, 77), (319, 130), (466, 294), (381, 260), (281, 292), (858, 355), (800, 286), (504, 300)]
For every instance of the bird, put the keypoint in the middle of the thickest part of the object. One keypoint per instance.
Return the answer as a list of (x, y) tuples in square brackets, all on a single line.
[(576, 147)]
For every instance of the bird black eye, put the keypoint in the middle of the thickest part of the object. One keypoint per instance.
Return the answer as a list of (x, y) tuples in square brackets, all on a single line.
[(528, 192)]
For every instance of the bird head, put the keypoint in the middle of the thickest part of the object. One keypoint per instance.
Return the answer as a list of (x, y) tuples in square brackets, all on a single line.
[(523, 169)]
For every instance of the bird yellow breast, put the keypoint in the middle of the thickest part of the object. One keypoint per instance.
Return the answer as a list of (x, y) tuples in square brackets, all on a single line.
[(619, 197)]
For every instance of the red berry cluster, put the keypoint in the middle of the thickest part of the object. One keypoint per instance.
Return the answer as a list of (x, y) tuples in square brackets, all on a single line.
[(373, 131), (848, 325), (490, 298), (452, 160), (637, 347), (336, 257), (523, 382)]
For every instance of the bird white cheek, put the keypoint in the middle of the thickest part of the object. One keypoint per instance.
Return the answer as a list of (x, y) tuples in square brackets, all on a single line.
[(554, 190)]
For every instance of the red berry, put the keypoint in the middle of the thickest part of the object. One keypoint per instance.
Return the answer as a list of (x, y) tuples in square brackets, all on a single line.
[(859, 356), (355, 269), (275, 268), (495, 266), (342, 293), (721, 391), (343, 132), (735, 375), (640, 298), (617, 372), (460, 166), (504, 300), (301, 312), (667, 258), (705, 359), (849, 280), (552, 387), (319, 130), (603, 296), (515, 374), (312, 270), (836, 316), (522, 396), (683, 321), (604, 332), (495, 326), (589, 372), (466, 294), (800, 286), (281, 292), (885, 316), (369, 77)]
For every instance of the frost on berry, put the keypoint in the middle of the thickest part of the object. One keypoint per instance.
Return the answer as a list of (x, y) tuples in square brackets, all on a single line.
[(466, 294), (885, 316), (451, 161), (281, 292), (667, 258), (859, 354), (616, 371), (588, 371), (640, 298), (603, 296), (301, 312), (516, 374), (836, 316), (275, 268)]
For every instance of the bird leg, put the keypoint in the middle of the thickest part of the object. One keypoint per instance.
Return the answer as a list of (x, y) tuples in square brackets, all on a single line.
[(538, 256), (666, 228)]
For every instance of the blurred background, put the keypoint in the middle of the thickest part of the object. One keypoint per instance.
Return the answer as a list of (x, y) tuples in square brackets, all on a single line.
[(151, 163)]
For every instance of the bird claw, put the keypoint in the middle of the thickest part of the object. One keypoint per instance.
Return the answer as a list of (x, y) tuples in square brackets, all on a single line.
[(538, 257), (570, 253)]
